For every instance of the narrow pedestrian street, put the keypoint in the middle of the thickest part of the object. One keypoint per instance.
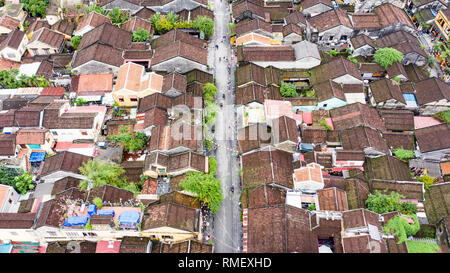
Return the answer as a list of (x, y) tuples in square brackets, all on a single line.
[(226, 230)]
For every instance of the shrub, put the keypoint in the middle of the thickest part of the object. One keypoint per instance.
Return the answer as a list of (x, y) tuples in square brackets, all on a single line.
[(141, 35), (404, 154), (382, 203), (400, 227), (426, 180), (288, 90), (75, 41), (98, 202), (387, 56), (205, 24)]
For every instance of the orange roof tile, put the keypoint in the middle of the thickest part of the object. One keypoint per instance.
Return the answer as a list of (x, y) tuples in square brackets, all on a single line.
[(445, 166), (95, 82)]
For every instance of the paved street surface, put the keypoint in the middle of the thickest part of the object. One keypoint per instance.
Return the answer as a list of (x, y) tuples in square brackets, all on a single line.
[(227, 230)]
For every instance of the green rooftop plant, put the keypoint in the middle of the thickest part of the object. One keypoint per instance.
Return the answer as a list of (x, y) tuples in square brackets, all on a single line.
[(288, 90), (98, 202), (141, 35), (426, 180), (382, 203), (400, 227), (324, 123), (387, 56), (404, 154)]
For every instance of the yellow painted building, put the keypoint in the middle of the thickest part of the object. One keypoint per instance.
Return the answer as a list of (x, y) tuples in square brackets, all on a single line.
[(442, 22)]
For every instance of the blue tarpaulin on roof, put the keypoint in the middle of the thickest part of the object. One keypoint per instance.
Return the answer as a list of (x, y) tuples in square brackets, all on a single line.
[(129, 218), (76, 221), (106, 212), (37, 157), (6, 248), (92, 209)]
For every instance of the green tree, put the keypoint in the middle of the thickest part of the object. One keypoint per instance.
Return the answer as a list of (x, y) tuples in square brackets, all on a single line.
[(166, 25), (172, 17), (387, 56), (156, 21), (97, 9), (23, 183), (404, 154), (75, 41), (382, 203), (80, 102), (205, 24), (206, 188), (130, 142), (118, 16), (99, 173), (98, 202), (141, 35), (400, 227), (7, 176), (37, 8), (211, 109), (288, 90), (426, 180), (209, 91)]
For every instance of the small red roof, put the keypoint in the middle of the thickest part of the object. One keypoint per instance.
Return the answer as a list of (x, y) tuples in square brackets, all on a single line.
[(307, 117), (52, 91), (107, 247)]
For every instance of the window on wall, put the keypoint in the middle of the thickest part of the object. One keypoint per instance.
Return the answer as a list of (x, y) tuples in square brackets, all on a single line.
[(167, 237), (47, 52), (35, 51), (51, 233), (134, 99), (121, 99)]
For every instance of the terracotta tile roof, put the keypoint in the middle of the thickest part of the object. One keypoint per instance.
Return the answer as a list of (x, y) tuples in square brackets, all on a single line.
[(250, 73), (52, 91), (333, 199), (284, 129), (334, 69), (437, 203), (170, 215), (411, 190), (17, 220), (398, 120), (38, 24), (445, 167), (256, 25), (296, 18), (107, 34), (361, 137), (402, 41), (176, 35), (306, 4), (137, 54), (362, 40), (99, 52), (349, 155), (329, 89), (65, 161), (47, 36), (7, 118), (433, 138), (263, 195), (291, 28), (155, 116), (280, 228), (387, 168), (135, 23), (110, 194), (64, 27), (390, 14), (13, 39), (423, 122), (396, 69), (362, 244), (314, 134), (330, 19), (174, 81), (180, 49), (384, 90), (267, 166), (64, 184), (94, 19), (201, 11), (431, 90), (245, 6), (145, 13), (252, 92), (28, 116), (399, 140), (7, 144), (31, 136), (365, 21), (355, 114), (91, 83), (133, 245), (9, 22), (156, 99), (260, 137), (267, 54)]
